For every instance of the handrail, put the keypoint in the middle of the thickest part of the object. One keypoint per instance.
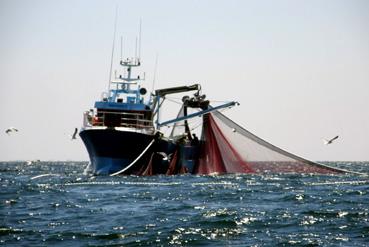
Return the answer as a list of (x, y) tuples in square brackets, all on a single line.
[(119, 119)]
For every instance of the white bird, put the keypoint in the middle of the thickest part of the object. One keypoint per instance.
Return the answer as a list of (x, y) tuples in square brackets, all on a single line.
[(10, 130), (74, 136), (163, 155), (326, 142)]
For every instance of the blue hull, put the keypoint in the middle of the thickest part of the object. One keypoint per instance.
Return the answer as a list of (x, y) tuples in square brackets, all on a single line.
[(111, 150)]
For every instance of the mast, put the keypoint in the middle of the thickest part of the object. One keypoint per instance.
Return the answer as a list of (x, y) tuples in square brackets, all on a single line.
[(127, 83), (124, 83)]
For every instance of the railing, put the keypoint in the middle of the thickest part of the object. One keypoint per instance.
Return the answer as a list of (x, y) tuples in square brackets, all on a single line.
[(117, 119)]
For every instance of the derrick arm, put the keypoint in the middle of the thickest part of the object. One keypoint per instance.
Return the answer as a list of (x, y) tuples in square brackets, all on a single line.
[(160, 93), (173, 90)]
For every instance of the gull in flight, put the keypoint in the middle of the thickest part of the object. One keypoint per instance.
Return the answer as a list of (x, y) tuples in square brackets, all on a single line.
[(74, 136), (10, 130), (330, 141), (163, 155)]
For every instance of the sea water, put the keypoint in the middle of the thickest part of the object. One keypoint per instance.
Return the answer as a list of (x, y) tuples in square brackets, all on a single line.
[(54, 204)]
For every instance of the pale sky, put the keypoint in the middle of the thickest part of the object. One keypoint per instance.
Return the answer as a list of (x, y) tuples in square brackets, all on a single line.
[(300, 69)]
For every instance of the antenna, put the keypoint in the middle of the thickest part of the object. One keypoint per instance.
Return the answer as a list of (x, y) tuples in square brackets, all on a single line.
[(136, 49), (139, 42), (121, 48), (155, 68), (112, 50)]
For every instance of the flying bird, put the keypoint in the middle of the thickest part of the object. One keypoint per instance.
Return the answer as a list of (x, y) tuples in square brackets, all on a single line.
[(74, 136), (10, 130), (330, 141), (163, 155)]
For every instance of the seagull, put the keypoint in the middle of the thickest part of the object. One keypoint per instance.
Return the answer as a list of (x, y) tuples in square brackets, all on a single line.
[(330, 141), (10, 130), (74, 136), (163, 155)]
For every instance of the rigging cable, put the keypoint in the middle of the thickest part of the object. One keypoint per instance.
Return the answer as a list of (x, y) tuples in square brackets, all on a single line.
[(134, 162), (155, 69)]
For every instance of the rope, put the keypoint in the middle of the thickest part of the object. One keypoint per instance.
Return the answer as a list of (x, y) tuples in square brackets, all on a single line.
[(44, 175), (174, 101), (133, 162)]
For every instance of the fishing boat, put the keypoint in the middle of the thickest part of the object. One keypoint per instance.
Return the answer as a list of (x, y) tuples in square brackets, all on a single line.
[(122, 135)]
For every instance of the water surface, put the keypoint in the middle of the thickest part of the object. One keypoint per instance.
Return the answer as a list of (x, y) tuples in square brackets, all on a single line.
[(67, 208)]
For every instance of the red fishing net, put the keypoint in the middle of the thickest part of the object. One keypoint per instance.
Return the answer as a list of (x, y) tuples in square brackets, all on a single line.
[(229, 148)]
